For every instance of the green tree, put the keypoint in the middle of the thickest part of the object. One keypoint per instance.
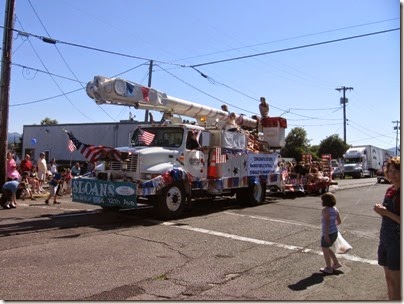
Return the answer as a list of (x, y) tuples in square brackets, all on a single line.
[(296, 143), (333, 145), (313, 150), (47, 121)]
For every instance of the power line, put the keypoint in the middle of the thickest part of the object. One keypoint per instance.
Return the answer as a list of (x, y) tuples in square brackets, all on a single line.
[(54, 80), (294, 48), (54, 41), (47, 72), (55, 75), (290, 38), (61, 56)]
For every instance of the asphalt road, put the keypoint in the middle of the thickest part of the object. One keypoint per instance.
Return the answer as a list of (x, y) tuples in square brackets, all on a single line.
[(218, 251)]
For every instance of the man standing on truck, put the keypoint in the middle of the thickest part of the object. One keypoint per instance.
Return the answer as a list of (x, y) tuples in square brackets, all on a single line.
[(264, 107)]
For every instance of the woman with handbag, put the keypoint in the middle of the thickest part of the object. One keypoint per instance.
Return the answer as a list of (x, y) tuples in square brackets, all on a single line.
[(389, 246)]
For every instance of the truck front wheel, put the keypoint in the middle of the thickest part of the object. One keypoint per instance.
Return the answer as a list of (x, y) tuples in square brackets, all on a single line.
[(171, 203)]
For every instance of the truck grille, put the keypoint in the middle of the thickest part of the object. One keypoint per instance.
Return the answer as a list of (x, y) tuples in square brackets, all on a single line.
[(131, 164)]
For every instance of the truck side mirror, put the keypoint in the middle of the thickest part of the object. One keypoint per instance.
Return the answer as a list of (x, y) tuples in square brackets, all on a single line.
[(205, 140)]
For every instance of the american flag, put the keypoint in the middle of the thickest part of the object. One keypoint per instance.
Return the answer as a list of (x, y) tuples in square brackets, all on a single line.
[(146, 137), (94, 153), (71, 146), (220, 158)]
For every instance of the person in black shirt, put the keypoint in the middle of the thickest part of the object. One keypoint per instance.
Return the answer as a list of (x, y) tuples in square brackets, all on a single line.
[(389, 246)]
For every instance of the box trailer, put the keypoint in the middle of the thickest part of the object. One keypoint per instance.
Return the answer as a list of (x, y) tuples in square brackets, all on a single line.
[(364, 161)]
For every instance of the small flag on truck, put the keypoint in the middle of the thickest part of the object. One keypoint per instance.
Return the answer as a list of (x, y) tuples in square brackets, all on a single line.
[(146, 137)]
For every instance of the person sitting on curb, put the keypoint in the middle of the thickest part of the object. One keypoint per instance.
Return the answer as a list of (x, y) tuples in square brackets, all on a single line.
[(26, 185)]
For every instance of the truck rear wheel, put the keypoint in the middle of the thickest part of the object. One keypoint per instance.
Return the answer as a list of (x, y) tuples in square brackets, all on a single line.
[(171, 203), (253, 195)]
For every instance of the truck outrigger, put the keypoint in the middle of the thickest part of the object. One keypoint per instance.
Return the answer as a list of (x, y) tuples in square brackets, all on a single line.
[(169, 163)]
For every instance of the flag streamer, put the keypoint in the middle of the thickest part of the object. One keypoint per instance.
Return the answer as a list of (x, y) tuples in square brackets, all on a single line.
[(92, 153)]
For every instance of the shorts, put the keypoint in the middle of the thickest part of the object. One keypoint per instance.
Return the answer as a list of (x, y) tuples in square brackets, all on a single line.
[(53, 190), (389, 254), (333, 238)]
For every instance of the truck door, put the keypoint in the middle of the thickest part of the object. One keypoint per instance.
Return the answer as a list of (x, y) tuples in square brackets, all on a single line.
[(195, 163), (194, 157)]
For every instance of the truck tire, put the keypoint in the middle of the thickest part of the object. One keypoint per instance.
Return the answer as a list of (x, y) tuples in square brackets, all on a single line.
[(253, 195), (171, 203)]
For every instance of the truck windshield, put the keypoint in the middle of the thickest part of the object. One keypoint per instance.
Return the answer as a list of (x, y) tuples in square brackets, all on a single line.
[(355, 160), (157, 137)]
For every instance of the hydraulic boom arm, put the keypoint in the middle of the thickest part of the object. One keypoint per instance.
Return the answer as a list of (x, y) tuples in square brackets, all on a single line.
[(118, 91)]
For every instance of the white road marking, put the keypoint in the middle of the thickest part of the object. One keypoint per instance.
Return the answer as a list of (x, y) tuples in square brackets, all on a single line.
[(274, 220), (267, 243)]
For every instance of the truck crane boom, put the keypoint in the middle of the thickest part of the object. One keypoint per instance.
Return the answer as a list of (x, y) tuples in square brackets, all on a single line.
[(119, 91)]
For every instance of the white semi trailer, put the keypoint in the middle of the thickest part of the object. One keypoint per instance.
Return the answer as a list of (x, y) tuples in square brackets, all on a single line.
[(364, 161)]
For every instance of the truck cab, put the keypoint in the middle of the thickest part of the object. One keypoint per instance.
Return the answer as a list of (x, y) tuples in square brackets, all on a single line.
[(355, 163), (156, 149)]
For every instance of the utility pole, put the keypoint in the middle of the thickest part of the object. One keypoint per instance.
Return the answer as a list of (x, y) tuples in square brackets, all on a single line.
[(146, 115), (5, 84), (344, 101), (397, 127)]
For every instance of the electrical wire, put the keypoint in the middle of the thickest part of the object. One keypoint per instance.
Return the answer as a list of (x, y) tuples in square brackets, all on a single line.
[(293, 48), (54, 80), (46, 72), (286, 39), (63, 59)]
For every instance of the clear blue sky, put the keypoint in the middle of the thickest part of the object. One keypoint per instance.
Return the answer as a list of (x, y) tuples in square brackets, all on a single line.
[(299, 84)]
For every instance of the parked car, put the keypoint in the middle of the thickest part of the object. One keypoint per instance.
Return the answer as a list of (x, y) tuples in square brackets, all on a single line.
[(337, 169), (380, 175), (338, 172)]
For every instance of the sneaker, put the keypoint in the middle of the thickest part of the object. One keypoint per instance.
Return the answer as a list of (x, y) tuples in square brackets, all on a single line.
[(47, 202), (12, 205), (336, 266), (327, 270), (6, 206)]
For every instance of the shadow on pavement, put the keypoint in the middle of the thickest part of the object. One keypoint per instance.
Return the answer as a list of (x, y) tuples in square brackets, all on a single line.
[(315, 278)]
